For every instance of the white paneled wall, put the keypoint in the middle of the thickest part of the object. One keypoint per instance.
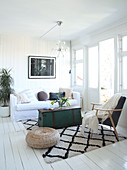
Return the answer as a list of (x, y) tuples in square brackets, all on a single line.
[(14, 52)]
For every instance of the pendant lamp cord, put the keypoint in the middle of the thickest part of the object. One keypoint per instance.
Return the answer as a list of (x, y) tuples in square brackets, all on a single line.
[(58, 23)]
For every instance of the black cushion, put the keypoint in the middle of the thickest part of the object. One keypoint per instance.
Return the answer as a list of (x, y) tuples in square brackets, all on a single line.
[(53, 96), (116, 115)]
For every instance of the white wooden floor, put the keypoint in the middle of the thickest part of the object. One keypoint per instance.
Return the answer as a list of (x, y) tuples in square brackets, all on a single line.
[(15, 154)]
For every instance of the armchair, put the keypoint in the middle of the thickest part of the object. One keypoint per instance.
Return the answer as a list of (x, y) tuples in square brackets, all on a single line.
[(113, 118)]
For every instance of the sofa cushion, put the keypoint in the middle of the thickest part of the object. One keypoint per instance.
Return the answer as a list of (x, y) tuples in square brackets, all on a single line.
[(68, 92), (42, 96), (30, 94), (34, 105), (22, 98), (54, 96), (41, 105)]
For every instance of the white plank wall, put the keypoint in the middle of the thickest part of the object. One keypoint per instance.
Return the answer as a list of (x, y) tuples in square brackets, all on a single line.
[(16, 155), (14, 52)]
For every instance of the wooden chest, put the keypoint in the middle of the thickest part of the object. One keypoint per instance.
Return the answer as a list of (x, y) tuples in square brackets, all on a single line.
[(59, 118)]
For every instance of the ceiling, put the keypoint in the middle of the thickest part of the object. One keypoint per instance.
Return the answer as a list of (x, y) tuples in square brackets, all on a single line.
[(35, 17)]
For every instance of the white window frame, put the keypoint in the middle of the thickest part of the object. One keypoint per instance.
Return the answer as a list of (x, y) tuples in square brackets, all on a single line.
[(77, 62), (96, 45), (122, 54)]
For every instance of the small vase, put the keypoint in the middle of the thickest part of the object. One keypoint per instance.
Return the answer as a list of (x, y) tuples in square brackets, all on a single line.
[(60, 107)]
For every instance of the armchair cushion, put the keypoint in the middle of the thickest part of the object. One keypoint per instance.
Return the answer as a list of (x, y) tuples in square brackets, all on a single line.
[(116, 114)]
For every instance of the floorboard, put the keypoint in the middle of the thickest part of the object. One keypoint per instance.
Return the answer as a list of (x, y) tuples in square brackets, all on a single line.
[(10, 125), (88, 161), (106, 159), (61, 165), (9, 157), (5, 125), (2, 153), (1, 126), (17, 156), (76, 163)]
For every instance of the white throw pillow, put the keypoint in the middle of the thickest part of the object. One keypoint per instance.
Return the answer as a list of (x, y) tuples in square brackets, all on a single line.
[(30, 95), (22, 98), (68, 92)]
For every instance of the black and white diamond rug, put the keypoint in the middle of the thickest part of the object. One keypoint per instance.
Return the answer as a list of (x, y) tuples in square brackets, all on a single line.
[(73, 143)]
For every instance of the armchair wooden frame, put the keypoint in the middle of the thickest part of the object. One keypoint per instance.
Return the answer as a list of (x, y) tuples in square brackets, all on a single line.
[(110, 116)]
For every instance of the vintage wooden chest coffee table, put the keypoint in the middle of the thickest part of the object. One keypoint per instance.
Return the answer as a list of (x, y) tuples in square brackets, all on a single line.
[(59, 118)]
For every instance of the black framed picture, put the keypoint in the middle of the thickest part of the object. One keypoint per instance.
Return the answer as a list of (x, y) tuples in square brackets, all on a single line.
[(41, 67)]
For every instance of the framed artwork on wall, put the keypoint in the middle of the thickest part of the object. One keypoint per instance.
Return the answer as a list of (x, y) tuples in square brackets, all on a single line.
[(41, 67)]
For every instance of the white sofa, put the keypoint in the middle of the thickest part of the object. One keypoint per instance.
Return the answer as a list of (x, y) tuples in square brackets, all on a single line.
[(27, 111)]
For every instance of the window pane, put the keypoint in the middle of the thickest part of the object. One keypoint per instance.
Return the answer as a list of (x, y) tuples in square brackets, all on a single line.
[(93, 67), (79, 73), (106, 69), (125, 72), (124, 41), (79, 54)]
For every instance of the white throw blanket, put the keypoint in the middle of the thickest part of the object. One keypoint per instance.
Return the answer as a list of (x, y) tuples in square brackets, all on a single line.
[(91, 119)]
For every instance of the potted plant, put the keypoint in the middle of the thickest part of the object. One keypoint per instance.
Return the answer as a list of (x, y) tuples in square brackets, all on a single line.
[(61, 101), (5, 90)]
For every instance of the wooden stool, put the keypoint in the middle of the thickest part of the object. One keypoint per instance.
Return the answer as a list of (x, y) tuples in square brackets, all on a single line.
[(42, 137)]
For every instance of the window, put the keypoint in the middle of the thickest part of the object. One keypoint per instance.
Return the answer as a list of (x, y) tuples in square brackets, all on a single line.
[(79, 54), (93, 67), (79, 67), (106, 69), (124, 71), (124, 44), (123, 55)]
